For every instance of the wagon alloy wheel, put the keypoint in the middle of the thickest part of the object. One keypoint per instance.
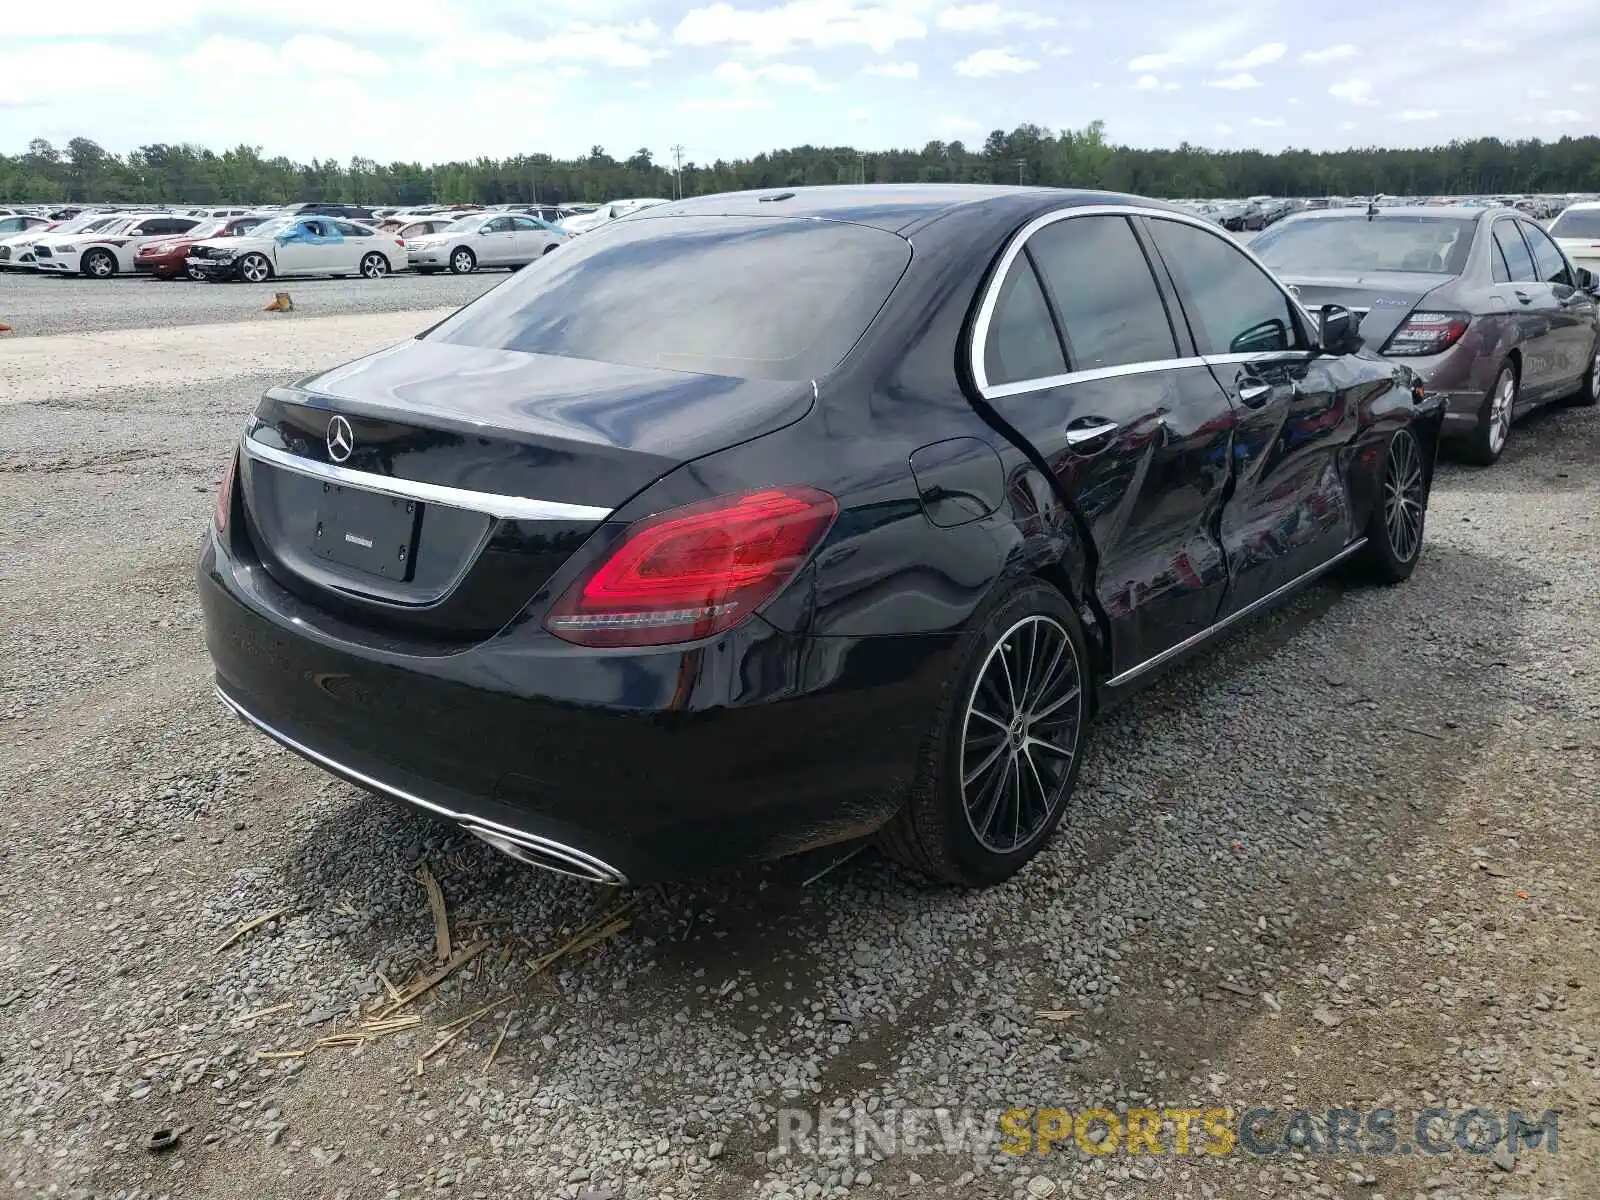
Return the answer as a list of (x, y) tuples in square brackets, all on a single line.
[(374, 266), (255, 269), (1500, 405), (1020, 735), (1403, 496)]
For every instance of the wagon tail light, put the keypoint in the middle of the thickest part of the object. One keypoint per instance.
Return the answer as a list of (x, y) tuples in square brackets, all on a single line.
[(219, 519), (1427, 333), (696, 571)]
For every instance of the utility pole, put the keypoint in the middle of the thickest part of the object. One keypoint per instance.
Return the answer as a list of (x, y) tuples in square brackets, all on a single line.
[(533, 178), (862, 155), (677, 172), (1021, 165)]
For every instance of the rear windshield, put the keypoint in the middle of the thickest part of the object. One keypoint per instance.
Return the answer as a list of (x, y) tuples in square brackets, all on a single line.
[(760, 298), (1323, 245), (1585, 223)]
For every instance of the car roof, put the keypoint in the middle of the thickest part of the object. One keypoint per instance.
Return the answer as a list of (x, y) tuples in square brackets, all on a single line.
[(1581, 206), (895, 207)]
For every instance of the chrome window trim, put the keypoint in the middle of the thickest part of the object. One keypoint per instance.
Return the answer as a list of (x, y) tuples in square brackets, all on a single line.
[(509, 508), (991, 298)]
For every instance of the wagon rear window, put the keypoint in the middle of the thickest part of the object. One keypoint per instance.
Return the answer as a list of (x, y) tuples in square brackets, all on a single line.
[(773, 298)]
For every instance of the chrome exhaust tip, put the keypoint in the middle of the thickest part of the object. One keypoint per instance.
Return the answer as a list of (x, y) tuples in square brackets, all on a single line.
[(534, 851)]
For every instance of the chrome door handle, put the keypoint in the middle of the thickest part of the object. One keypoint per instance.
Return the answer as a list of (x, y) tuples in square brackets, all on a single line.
[(1254, 395), (1084, 437), (1524, 297)]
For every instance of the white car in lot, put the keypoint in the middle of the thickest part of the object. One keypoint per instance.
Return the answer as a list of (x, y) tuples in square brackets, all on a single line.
[(16, 230), (584, 222), (1577, 232), (109, 250), (295, 245), (490, 239)]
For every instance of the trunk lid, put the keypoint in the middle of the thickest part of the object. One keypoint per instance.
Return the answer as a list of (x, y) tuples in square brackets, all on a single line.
[(1382, 298), (432, 488), (1584, 252)]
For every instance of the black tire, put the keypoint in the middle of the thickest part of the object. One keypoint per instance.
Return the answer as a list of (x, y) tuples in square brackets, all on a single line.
[(1488, 440), (374, 265), (935, 833), (99, 264), (1395, 528), (254, 268), (1588, 393), (463, 261), (549, 248)]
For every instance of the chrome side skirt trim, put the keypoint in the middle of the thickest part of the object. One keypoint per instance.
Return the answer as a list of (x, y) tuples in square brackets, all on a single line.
[(510, 508), (525, 847), (1205, 635)]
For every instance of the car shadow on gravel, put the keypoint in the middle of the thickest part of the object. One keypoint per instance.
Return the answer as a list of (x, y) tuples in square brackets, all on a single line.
[(1232, 823)]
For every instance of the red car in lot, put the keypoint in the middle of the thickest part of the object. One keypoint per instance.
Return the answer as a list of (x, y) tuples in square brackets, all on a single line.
[(166, 259)]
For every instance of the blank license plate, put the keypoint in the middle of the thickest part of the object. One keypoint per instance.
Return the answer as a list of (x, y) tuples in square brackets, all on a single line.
[(368, 532)]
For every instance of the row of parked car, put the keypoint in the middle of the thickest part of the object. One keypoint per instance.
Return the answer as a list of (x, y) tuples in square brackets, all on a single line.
[(310, 239)]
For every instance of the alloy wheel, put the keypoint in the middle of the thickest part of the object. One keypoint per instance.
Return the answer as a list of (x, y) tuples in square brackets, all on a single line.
[(1403, 496), (1594, 377), (1020, 734), (375, 266), (254, 269), (462, 262), (1500, 406), (101, 265)]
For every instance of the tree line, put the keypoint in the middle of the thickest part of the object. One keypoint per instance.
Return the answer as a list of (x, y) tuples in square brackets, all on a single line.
[(164, 174)]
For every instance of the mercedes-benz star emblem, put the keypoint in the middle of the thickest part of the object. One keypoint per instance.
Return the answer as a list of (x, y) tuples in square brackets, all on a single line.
[(341, 441)]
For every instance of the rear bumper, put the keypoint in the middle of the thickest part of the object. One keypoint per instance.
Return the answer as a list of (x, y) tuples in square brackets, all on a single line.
[(1461, 377), (611, 765)]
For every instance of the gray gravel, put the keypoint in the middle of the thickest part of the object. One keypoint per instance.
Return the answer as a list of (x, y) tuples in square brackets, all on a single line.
[(1295, 873), (35, 304)]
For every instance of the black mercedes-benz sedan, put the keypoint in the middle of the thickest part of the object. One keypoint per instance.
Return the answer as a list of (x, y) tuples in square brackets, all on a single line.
[(759, 522)]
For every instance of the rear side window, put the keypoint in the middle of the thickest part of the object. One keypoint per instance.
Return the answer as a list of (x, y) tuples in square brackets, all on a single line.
[(1552, 268), (1111, 311), (1233, 306), (762, 298), (1515, 251), (1022, 342), (349, 230)]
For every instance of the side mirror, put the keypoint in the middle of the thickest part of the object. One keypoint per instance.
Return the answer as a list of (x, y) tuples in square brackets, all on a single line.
[(1338, 329)]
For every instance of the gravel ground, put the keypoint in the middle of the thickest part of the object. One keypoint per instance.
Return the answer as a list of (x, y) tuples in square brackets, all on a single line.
[(1344, 859), (33, 304)]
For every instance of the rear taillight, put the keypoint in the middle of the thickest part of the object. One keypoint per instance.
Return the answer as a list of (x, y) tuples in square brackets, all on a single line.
[(1427, 333), (695, 571), (219, 519), (401, 242)]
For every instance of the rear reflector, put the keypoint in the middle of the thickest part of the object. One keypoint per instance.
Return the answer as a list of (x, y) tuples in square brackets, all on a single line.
[(696, 571), (219, 519), (1427, 333)]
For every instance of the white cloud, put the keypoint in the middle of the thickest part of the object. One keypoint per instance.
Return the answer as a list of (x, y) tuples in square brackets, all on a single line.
[(821, 23), (983, 63), (1420, 114), (320, 55), (960, 125), (1331, 54), (1056, 49), (1225, 130), (1353, 91), (1581, 87), (892, 70), (1271, 52), (41, 74), (976, 18), (415, 20), (1153, 62), (1236, 83), (859, 114), (1563, 116), (725, 103), (1268, 122), (1146, 83), (739, 75), (627, 46)]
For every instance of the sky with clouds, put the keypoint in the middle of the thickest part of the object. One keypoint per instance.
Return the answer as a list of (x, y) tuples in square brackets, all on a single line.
[(432, 80)]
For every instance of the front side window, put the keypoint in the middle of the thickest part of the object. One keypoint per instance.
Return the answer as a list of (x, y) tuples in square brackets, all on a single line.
[(1547, 259), (1233, 306), (1110, 308), (749, 297), (1022, 344), (1515, 251)]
